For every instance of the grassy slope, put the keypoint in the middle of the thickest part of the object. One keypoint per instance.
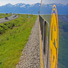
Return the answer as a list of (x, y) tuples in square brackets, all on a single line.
[(13, 40), (2, 15)]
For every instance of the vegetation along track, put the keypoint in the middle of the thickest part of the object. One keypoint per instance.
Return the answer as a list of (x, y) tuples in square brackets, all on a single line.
[(14, 35)]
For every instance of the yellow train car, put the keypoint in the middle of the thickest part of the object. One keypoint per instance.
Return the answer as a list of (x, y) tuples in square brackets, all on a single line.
[(54, 30)]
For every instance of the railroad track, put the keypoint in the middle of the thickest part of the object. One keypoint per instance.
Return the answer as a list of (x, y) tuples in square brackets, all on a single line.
[(35, 54)]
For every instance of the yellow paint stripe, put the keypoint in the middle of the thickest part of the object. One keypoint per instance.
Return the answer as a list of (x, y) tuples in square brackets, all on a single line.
[(41, 53)]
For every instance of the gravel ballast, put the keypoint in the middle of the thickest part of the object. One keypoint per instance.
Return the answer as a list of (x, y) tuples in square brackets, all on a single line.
[(31, 53)]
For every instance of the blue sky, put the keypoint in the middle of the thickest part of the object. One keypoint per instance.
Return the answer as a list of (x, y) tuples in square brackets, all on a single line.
[(3, 2)]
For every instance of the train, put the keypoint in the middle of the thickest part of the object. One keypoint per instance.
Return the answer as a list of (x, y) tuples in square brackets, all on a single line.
[(53, 18)]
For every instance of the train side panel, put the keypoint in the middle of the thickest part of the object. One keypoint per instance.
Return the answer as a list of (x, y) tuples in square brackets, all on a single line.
[(54, 29)]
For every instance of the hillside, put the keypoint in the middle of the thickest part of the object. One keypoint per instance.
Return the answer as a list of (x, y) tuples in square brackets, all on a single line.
[(14, 35)]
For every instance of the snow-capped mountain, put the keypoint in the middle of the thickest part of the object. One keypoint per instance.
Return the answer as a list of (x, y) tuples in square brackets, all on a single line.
[(20, 8), (32, 9)]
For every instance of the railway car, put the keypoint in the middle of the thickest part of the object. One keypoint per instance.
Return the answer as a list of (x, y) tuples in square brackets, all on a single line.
[(54, 31)]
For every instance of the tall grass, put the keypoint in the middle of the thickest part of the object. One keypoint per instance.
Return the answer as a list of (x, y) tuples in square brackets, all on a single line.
[(13, 39)]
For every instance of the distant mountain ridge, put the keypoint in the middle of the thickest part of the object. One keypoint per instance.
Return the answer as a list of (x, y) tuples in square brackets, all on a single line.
[(32, 9), (20, 8)]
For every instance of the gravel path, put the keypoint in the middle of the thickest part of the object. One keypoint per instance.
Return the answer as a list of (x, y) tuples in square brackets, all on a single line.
[(2, 20), (31, 54)]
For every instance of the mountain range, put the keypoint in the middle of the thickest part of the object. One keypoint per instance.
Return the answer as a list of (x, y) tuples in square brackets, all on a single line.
[(32, 9)]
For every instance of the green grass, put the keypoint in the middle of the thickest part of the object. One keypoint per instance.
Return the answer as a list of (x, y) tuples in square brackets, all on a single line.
[(14, 38), (2, 15)]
